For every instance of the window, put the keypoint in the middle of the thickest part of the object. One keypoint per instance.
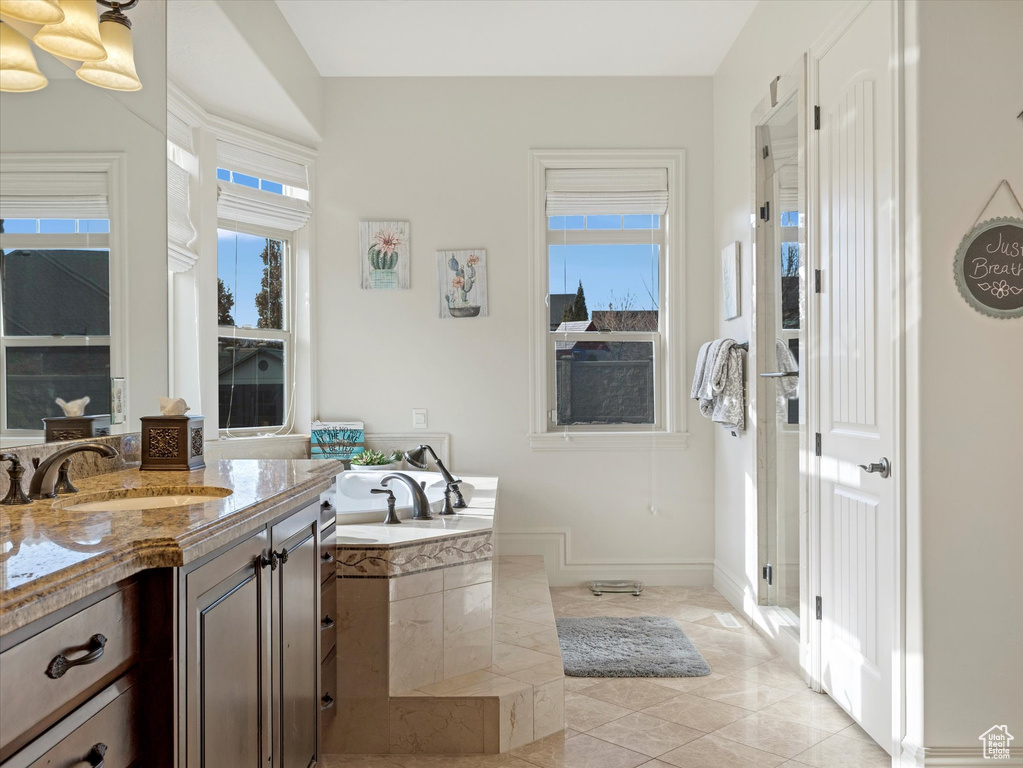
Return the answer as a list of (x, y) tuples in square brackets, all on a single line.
[(606, 340), (55, 318), (254, 335), (262, 208)]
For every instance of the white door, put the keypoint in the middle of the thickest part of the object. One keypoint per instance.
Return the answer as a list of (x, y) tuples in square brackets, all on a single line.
[(858, 521)]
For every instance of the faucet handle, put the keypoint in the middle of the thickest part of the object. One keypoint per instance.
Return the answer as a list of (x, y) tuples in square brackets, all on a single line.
[(15, 493), (392, 516)]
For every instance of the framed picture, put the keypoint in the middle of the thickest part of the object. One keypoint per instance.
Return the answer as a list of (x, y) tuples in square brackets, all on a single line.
[(730, 281), (462, 283), (384, 252)]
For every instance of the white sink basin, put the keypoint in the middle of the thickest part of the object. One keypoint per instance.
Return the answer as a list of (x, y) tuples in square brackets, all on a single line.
[(168, 500)]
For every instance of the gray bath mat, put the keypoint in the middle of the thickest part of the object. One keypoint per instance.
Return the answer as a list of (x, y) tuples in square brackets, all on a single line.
[(644, 646)]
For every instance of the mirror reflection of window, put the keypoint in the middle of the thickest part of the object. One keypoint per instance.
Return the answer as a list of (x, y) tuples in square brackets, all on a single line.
[(55, 319)]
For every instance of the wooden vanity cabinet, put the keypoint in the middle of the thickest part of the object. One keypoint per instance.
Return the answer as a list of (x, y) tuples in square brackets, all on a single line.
[(295, 609), (251, 650), (227, 658)]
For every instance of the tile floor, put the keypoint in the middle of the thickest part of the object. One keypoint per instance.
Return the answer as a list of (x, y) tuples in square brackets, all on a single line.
[(753, 711)]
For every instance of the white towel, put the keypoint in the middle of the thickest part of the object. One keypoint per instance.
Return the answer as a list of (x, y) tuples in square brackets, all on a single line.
[(788, 386), (729, 408), (718, 384)]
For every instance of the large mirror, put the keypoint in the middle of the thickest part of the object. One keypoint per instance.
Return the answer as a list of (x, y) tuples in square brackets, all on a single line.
[(83, 234), (779, 320)]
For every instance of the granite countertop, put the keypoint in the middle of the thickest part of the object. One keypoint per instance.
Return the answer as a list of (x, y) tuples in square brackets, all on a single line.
[(478, 517), (51, 556)]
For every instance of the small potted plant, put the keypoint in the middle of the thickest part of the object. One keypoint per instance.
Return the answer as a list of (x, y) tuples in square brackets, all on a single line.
[(375, 460)]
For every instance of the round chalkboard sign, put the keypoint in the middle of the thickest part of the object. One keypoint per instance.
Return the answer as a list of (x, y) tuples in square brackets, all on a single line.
[(989, 267)]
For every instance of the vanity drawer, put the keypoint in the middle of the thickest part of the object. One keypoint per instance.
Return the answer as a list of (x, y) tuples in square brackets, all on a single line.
[(328, 617), (328, 691), (328, 552), (103, 729), (48, 675)]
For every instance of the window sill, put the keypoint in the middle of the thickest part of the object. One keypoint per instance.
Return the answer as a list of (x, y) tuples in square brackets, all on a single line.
[(608, 441)]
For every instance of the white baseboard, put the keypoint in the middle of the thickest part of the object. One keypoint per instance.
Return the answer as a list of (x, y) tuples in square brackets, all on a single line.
[(564, 569), (916, 756)]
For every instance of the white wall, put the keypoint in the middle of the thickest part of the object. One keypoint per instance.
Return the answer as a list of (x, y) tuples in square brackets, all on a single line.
[(451, 156), (770, 44), (72, 116), (968, 400)]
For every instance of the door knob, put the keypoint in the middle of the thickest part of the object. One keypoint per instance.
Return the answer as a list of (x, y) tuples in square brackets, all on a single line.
[(883, 467)]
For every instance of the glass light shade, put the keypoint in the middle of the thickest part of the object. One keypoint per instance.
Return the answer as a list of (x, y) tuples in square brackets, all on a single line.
[(77, 36), (35, 11), (117, 72), (18, 70)]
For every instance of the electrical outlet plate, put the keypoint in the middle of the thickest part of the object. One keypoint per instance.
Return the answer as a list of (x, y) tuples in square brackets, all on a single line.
[(420, 419), (118, 406)]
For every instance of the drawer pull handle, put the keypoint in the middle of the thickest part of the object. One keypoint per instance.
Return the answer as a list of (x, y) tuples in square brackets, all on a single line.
[(95, 756), (61, 663), (326, 702), (283, 556), (273, 561), (327, 557), (327, 622)]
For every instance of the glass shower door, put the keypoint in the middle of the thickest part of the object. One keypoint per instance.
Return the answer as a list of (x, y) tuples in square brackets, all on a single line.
[(781, 336)]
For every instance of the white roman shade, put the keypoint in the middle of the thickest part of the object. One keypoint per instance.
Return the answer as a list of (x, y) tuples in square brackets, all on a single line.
[(179, 132), (57, 195), (180, 232), (255, 206), (262, 165), (594, 191)]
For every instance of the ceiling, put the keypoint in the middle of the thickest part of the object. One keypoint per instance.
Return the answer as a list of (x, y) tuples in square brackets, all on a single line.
[(452, 38), (214, 63)]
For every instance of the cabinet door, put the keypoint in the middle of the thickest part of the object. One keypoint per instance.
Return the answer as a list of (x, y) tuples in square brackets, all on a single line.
[(227, 695), (296, 629)]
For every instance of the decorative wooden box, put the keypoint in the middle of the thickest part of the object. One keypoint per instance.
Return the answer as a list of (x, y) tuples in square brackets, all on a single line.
[(76, 427), (172, 443)]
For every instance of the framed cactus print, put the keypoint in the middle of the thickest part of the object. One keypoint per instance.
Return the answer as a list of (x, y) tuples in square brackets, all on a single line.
[(384, 253), (462, 283)]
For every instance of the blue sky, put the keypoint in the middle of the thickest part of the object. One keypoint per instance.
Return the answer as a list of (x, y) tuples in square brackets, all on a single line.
[(609, 273), (244, 280), (603, 269)]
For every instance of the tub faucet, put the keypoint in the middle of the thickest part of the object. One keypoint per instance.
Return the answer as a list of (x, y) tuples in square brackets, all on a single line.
[(417, 458), (420, 504), (44, 480)]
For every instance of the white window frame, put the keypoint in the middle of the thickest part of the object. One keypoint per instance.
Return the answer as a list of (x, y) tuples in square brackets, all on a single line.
[(668, 431), (112, 164), (285, 335)]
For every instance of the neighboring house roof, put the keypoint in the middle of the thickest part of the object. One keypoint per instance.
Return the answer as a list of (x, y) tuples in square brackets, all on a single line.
[(558, 302), (625, 319), (578, 326), (255, 365)]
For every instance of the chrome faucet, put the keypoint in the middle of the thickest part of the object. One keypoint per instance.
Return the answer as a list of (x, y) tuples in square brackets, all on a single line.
[(420, 504), (44, 480)]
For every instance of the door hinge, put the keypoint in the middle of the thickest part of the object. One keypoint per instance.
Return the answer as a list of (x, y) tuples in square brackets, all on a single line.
[(766, 152), (817, 281), (816, 118), (817, 444), (765, 211), (769, 574), (820, 611)]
